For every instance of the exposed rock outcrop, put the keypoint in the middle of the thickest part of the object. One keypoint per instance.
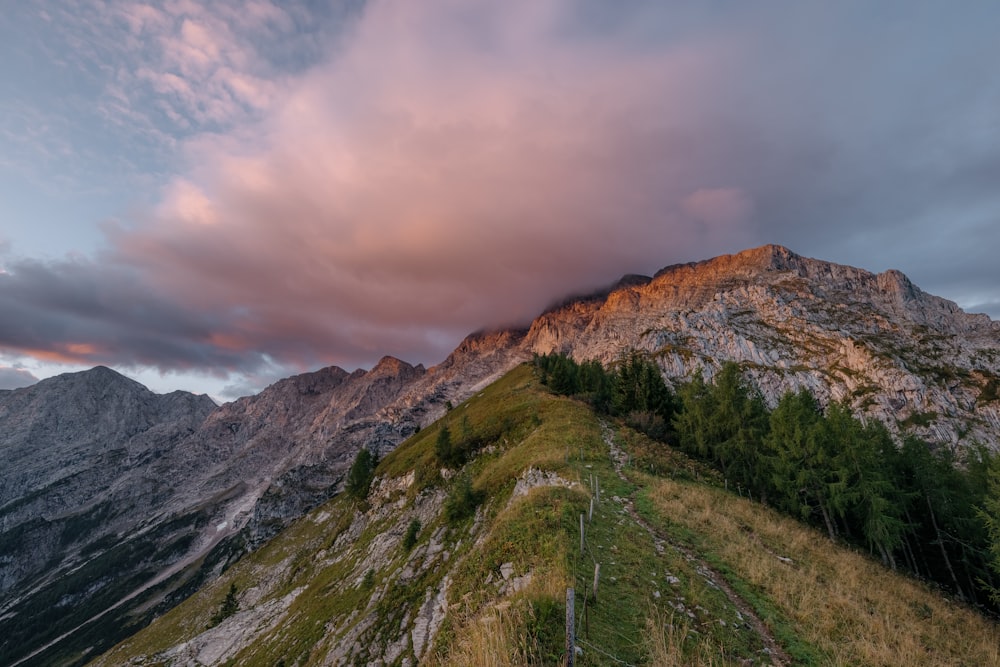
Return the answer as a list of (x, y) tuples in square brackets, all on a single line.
[(876, 340)]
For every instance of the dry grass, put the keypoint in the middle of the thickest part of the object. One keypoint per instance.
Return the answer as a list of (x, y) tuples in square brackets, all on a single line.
[(668, 646), (850, 608), (499, 634)]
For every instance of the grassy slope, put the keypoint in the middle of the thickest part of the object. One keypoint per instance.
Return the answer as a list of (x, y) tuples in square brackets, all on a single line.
[(654, 606)]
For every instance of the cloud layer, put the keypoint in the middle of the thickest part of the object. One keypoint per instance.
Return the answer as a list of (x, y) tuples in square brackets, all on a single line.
[(453, 165), (14, 378)]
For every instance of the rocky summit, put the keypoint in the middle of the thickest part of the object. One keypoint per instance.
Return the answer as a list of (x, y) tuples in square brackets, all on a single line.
[(894, 352), (115, 498)]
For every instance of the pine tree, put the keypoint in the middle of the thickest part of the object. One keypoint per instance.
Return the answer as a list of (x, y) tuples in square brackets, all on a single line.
[(867, 495), (361, 474), (410, 538), (443, 448), (564, 376), (694, 424), (932, 479), (989, 513), (792, 425), (595, 382), (742, 422)]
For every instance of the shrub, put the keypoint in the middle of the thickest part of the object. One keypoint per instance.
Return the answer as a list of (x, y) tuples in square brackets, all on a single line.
[(442, 446), (361, 474), (410, 538), (462, 500), (228, 607)]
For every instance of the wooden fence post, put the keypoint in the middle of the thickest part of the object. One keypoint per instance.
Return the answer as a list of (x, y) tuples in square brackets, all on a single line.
[(570, 629), (597, 576), (581, 536)]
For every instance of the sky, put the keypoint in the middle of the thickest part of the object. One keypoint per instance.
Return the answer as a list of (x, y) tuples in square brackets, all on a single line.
[(212, 196)]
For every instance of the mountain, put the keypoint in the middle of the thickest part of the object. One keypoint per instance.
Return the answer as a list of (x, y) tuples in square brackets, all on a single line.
[(102, 472), (894, 352), (77, 450), (424, 571), (137, 507)]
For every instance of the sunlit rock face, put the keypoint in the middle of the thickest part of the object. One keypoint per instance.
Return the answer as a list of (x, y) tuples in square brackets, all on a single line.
[(875, 340)]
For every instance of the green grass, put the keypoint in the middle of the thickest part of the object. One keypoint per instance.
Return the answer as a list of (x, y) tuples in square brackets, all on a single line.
[(919, 419), (654, 605)]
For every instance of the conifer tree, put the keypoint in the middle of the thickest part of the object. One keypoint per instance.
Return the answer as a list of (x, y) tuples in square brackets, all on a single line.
[(741, 422), (792, 426), (695, 423), (443, 447), (230, 605), (361, 474), (865, 495), (989, 513)]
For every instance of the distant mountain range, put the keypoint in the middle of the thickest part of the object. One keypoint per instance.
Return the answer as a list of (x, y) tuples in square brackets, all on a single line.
[(110, 491)]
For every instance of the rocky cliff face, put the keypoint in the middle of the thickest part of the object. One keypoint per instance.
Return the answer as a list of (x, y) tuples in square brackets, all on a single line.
[(77, 450), (913, 360), (95, 460), (112, 488)]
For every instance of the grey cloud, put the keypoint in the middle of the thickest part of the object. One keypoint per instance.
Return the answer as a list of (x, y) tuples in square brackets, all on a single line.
[(15, 378)]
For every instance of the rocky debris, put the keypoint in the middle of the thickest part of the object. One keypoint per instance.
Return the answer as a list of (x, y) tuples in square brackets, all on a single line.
[(217, 645), (383, 489), (532, 478), (429, 618)]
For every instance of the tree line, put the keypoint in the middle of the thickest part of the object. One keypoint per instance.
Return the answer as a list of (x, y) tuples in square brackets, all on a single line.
[(916, 506)]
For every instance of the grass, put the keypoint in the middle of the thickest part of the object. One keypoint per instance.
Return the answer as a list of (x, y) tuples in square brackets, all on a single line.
[(540, 534), (919, 419), (655, 605), (850, 609)]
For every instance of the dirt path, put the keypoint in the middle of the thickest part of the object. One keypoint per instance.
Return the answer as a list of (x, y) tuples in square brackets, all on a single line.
[(709, 573)]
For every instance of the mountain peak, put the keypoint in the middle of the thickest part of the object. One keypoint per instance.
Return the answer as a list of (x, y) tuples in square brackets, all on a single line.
[(754, 260), (390, 366), (896, 283), (101, 372), (96, 377)]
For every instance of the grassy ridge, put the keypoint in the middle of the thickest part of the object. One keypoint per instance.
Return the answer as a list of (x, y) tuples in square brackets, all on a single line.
[(339, 584)]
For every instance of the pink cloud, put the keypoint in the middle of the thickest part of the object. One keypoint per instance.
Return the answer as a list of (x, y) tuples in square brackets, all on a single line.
[(452, 167), (720, 212), (446, 167), (384, 178)]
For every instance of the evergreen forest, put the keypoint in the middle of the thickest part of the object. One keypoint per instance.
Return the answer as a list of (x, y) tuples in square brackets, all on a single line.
[(917, 506)]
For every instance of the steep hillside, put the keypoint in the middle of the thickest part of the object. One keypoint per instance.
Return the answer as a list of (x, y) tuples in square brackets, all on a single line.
[(78, 451), (118, 495), (177, 488), (421, 570)]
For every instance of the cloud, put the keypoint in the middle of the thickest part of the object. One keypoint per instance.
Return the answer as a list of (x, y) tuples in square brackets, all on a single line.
[(184, 66), (15, 378), (78, 311), (448, 165), (419, 185)]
